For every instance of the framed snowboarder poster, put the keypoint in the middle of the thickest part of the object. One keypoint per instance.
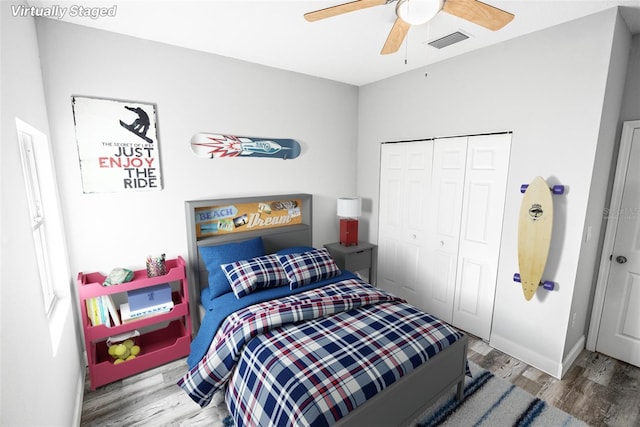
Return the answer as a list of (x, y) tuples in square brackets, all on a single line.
[(117, 145)]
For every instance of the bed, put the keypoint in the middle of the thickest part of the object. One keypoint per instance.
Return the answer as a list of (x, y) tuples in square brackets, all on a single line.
[(290, 338)]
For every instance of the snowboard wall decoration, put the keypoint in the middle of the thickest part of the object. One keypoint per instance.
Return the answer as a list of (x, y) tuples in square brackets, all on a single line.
[(213, 145)]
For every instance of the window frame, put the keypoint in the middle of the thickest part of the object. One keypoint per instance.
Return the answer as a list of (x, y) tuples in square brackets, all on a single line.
[(44, 216)]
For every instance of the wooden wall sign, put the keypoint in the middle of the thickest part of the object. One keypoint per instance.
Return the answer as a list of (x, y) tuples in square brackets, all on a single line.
[(117, 145), (215, 220)]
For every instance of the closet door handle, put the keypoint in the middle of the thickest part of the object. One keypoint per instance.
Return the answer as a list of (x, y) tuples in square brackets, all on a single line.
[(621, 259)]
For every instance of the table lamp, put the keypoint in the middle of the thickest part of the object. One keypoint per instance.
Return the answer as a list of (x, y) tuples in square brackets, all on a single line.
[(349, 209)]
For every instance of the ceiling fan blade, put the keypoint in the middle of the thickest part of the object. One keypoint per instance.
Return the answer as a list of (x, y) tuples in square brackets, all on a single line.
[(342, 8), (479, 13), (396, 37)]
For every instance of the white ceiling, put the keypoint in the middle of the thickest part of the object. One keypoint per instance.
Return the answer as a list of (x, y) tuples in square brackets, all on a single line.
[(344, 48)]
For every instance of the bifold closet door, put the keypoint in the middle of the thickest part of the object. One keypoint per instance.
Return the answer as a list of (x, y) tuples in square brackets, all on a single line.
[(444, 210), (440, 225), (405, 186), (485, 186)]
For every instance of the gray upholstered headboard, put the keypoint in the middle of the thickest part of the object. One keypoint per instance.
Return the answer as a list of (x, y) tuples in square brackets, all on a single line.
[(220, 221)]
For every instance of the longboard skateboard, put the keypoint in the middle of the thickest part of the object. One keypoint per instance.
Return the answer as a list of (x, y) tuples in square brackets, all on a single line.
[(212, 145), (534, 235)]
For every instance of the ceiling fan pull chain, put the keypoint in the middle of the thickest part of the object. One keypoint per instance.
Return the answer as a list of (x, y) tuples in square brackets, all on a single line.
[(406, 41), (406, 50)]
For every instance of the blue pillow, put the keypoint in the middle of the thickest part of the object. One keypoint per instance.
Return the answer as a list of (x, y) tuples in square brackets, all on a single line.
[(295, 250), (214, 256)]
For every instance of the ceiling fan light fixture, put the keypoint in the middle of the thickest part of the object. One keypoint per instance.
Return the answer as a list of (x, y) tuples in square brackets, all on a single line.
[(418, 12)]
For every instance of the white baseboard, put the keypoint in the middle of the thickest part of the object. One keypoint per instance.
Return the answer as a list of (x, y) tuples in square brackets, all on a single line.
[(573, 355), (77, 412), (527, 355)]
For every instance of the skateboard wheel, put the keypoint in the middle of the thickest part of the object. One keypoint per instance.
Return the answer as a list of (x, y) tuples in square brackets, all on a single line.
[(516, 277), (524, 187), (558, 189), (548, 285)]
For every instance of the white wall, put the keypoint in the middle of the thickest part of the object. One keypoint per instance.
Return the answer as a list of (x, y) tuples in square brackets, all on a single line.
[(603, 167), (630, 111), (631, 100), (194, 92), (549, 89), (37, 388)]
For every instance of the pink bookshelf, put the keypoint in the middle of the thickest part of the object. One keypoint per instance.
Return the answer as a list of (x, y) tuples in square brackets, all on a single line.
[(169, 334)]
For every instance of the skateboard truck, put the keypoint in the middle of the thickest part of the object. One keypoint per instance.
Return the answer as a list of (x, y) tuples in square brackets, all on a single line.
[(547, 284), (556, 189)]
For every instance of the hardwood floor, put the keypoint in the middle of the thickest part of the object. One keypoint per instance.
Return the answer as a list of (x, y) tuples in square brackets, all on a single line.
[(151, 398), (599, 390)]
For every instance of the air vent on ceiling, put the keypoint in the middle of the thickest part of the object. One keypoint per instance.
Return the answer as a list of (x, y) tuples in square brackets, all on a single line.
[(448, 40)]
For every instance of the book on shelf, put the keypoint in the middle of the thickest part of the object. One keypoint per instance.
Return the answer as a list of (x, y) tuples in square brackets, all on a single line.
[(150, 296), (111, 308), (104, 312), (97, 311), (128, 315), (92, 311), (101, 310)]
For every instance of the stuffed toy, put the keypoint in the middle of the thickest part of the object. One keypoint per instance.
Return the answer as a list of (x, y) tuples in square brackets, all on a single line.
[(118, 276)]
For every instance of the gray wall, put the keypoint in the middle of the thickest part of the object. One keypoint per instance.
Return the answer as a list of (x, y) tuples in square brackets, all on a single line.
[(631, 100), (550, 89), (603, 169), (39, 385), (194, 92)]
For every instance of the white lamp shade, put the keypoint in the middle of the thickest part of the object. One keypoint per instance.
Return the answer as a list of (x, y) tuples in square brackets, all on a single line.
[(349, 207), (417, 12)]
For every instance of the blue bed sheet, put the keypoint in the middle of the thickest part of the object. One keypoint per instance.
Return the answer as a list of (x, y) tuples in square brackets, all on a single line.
[(219, 308)]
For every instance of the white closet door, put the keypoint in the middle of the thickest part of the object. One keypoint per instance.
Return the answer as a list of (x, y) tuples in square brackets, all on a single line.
[(445, 209), (481, 231), (405, 183), (440, 225)]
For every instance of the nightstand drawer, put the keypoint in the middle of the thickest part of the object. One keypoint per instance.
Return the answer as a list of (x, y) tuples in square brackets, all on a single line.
[(355, 258), (358, 260)]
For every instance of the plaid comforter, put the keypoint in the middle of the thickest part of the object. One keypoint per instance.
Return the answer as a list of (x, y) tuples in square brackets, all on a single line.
[(355, 341)]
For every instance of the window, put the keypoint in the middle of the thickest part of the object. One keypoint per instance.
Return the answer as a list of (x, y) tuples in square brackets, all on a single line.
[(44, 212)]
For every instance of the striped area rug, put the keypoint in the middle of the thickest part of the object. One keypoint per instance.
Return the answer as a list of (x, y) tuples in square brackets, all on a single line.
[(490, 402)]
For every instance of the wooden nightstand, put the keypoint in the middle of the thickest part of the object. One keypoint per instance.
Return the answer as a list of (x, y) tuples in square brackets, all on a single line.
[(355, 258)]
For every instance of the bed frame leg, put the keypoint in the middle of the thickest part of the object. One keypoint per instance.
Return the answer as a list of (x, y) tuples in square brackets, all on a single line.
[(460, 392)]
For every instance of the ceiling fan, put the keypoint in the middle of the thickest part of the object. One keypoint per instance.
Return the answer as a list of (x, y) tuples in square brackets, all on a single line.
[(416, 12)]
